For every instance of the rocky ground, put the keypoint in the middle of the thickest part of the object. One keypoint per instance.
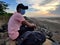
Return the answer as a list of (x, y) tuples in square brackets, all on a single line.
[(53, 25)]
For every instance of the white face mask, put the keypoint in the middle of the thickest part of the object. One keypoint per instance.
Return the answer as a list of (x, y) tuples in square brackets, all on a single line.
[(22, 11)]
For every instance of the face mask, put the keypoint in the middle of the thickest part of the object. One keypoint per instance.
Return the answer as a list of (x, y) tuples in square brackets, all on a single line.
[(22, 11)]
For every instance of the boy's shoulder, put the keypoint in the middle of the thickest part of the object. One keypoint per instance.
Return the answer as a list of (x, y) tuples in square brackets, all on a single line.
[(16, 13)]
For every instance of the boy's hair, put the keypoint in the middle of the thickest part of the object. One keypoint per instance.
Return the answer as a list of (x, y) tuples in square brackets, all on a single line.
[(21, 6)]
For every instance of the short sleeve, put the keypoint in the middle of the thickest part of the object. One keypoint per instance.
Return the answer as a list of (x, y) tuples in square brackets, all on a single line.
[(19, 18)]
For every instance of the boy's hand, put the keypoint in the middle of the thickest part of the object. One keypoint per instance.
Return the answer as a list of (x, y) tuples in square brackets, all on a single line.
[(29, 24), (32, 25)]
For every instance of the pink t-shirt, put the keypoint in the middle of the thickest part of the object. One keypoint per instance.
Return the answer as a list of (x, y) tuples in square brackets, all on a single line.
[(14, 25)]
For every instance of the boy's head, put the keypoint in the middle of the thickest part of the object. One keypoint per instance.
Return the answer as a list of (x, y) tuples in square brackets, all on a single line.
[(21, 8)]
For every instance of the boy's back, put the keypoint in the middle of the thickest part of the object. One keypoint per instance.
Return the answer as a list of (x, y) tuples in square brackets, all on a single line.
[(14, 24)]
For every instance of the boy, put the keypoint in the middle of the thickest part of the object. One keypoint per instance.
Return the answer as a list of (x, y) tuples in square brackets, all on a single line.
[(16, 21)]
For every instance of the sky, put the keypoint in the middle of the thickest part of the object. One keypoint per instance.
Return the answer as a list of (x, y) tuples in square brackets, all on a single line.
[(37, 8)]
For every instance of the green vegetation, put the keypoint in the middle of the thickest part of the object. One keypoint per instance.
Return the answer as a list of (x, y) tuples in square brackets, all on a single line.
[(3, 14)]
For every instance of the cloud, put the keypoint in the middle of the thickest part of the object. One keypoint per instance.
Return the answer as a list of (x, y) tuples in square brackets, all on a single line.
[(28, 2), (57, 11), (46, 7), (49, 7), (39, 14), (46, 2), (9, 11), (35, 4)]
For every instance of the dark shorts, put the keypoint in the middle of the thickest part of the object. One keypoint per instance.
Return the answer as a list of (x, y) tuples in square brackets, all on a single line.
[(18, 39)]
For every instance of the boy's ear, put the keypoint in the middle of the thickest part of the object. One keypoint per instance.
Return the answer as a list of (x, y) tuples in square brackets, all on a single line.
[(19, 10)]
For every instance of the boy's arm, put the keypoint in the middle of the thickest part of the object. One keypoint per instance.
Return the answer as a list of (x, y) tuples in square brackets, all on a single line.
[(28, 24)]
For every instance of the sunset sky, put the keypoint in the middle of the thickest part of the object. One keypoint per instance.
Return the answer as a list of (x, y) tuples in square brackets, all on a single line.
[(37, 8)]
